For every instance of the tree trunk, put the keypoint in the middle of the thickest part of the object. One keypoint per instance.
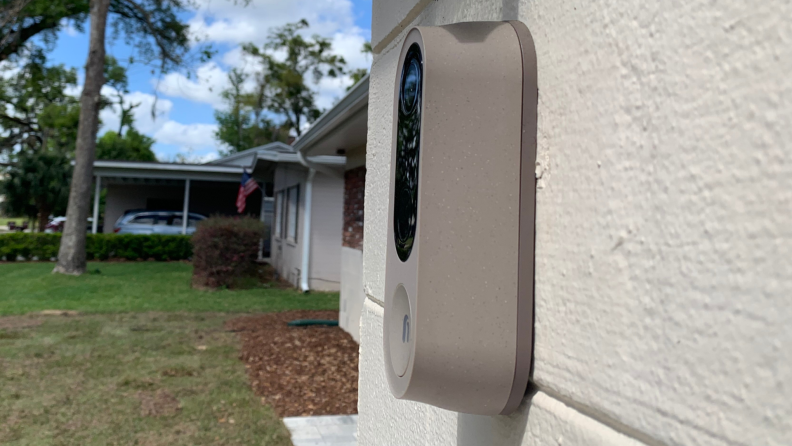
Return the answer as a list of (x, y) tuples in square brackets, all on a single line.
[(43, 218), (71, 256)]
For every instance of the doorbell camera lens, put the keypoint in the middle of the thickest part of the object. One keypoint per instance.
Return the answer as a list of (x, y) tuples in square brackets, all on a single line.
[(410, 85), (408, 142)]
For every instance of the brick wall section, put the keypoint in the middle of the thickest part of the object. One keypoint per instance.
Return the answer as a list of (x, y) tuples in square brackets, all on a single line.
[(354, 191)]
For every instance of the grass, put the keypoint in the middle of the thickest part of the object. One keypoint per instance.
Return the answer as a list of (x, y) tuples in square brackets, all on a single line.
[(122, 379), (115, 287)]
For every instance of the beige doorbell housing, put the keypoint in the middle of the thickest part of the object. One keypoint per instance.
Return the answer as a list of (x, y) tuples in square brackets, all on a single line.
[(460, 260)]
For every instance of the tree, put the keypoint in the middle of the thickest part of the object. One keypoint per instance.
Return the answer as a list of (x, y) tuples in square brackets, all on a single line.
[(243, 125), (360, 73), (37, 185), (23, 20), (155, 28), (116, 76), (71, 255), (283, 85), (232, 123), (35, 111), (161, 35), (133, 146)]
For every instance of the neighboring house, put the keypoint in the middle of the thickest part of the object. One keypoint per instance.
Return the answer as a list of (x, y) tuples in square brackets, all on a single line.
[(282, 203), (663, 236), (312, 206)]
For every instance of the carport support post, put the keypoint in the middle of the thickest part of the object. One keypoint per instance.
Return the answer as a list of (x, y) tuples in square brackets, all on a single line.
[(97, 192), (261, 218), (186, 210)]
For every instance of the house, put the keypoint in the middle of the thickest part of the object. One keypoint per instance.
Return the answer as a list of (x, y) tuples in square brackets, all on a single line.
[(302, 211)]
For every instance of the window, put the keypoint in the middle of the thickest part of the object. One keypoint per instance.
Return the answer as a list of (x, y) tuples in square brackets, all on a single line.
[(293, 200), (147, 219), (279, 215)]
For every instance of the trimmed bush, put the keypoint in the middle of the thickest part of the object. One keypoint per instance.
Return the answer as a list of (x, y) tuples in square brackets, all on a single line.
[(225, 250), (98, 246)]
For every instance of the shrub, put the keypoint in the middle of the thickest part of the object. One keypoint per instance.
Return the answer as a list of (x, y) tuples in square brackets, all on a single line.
[(225, 250), (98, 246)]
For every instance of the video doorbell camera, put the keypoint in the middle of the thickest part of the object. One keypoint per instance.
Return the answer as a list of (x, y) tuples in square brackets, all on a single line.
[(458, 326)]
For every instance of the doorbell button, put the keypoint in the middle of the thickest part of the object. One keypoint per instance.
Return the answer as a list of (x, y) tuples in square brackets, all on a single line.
[(400, 336)]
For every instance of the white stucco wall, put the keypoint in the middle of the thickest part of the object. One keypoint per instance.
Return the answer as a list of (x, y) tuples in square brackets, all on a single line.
[(352, 295), (326, 224), (663, 233), (326, 232)]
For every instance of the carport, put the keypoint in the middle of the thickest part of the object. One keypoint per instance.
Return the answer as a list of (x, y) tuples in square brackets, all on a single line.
[(204, 189)]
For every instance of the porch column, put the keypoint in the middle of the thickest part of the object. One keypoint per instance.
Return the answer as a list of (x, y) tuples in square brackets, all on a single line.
[(186, 210), (97, 192)]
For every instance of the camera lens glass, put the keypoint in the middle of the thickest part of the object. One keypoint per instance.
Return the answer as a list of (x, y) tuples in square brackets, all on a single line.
[(409, 85), (408, 138)]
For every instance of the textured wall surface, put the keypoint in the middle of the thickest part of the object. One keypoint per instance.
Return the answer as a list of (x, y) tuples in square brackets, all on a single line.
[(663, 233), (351, 296), (326, 226), (286, 254)]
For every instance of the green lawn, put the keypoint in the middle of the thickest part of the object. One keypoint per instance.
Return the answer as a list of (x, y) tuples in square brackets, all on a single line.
[(165, 379), (115, 287), (147, 361)]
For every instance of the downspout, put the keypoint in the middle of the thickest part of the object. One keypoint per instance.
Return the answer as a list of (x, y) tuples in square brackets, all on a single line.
[(306, 242)]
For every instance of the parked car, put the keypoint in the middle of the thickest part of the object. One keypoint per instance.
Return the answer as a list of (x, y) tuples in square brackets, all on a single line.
[(57, 224), (155, 222)]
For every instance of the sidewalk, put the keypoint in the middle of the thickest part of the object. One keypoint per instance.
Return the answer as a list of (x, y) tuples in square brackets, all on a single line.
[(329, 430)]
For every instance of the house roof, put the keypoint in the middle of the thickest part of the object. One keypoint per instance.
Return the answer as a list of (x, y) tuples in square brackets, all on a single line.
[(341, 128), (228, 168), (276, 152)]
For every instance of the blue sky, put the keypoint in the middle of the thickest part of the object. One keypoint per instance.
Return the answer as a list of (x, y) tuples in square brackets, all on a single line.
[(185, 105)]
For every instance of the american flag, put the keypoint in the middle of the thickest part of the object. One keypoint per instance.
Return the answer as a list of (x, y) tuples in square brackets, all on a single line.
[(246, 188)]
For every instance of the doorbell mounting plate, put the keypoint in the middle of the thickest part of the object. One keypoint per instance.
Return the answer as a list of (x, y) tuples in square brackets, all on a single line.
[(458, 327)]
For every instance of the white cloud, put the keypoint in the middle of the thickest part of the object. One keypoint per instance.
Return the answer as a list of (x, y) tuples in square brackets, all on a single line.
[(144, 121), (205, 86), (197, 140), (233, 22), (225, 22), (187, 136)]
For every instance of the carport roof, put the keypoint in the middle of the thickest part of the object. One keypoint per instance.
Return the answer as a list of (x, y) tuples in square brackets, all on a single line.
[(166, 171), (228, 168)]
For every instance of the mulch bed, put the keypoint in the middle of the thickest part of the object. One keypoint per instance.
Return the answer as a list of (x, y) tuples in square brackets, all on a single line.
[(299, 371)]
